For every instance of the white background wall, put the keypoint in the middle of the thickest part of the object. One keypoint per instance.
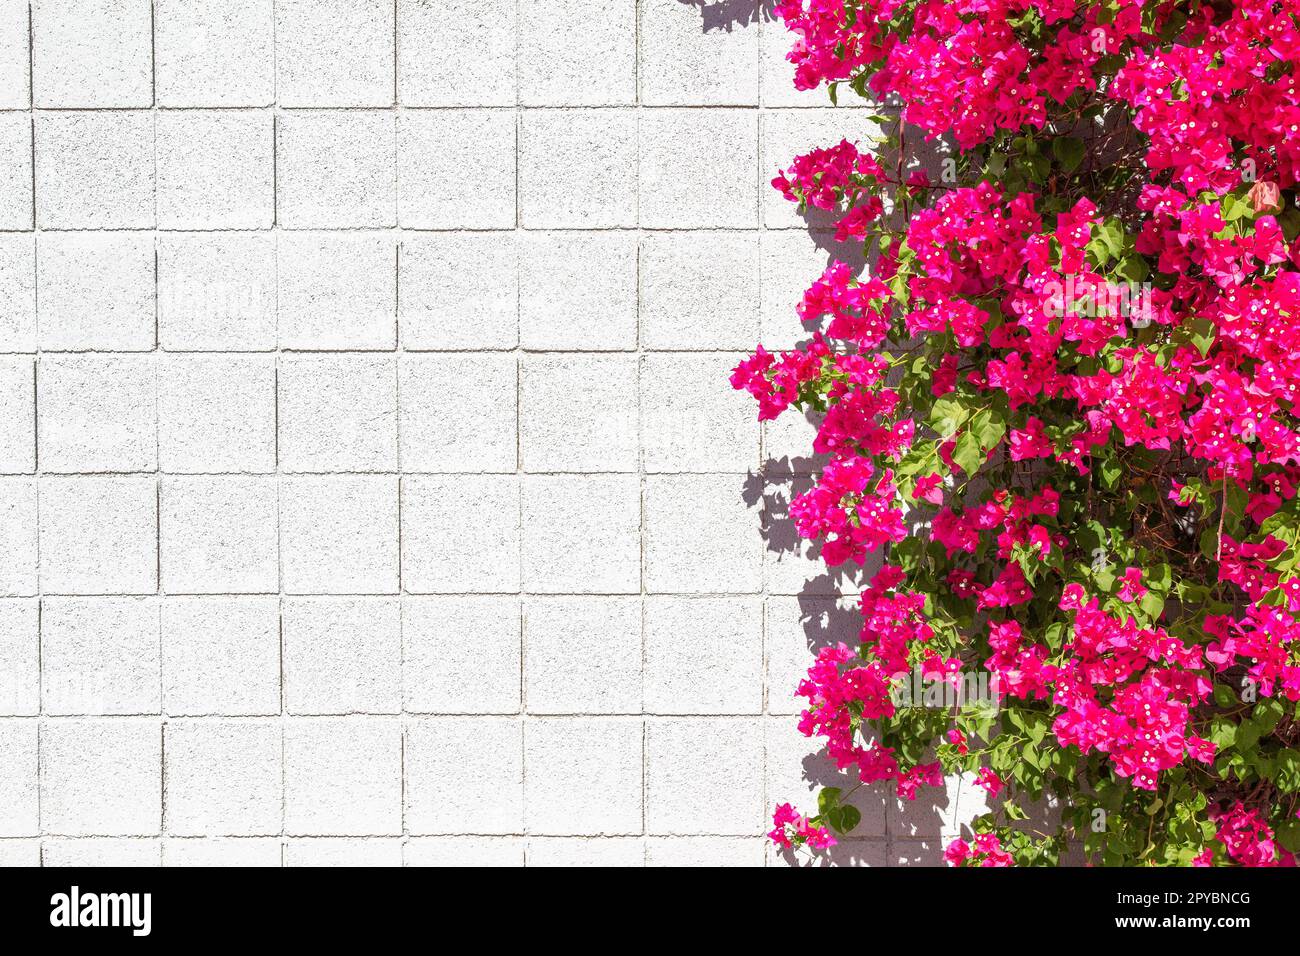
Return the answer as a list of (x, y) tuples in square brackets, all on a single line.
[(373, 491)]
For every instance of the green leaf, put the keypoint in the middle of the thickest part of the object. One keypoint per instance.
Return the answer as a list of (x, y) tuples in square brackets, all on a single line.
[(1133, 268), (828, 799), (988, 427), (1038, 167), (1111, 233), (947, 415), (1223, 733), (1209, 542), (1152, 604), (1287, 770), (1247, 734), (1111, 473), (1288, 834), (1038, 729), (1235, 207), (1069, 152), (898, 285), (1201, 332), (1274, 598), (1159, 578), (968, 455), (1268, 712), (1289, 220), (843, 819)]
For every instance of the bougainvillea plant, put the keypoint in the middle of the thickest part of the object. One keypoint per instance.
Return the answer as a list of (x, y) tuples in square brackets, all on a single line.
[(1061, 402)]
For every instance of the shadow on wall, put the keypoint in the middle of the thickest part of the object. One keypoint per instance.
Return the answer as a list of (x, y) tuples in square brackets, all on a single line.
[(728, 14), (895, 832)]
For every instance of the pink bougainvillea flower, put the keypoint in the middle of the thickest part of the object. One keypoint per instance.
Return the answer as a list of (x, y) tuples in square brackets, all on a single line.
[(990, 781), (1130, 585)]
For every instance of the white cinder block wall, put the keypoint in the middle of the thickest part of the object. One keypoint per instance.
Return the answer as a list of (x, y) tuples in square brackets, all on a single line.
[(372, 489)]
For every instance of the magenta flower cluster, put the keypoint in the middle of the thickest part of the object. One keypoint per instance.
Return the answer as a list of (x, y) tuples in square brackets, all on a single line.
[(1094, 505)]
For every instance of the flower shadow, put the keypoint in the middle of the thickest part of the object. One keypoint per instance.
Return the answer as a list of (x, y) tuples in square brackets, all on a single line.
[(730, 14)]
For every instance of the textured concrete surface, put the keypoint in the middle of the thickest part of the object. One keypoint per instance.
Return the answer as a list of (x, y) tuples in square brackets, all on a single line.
[(370, 486)]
